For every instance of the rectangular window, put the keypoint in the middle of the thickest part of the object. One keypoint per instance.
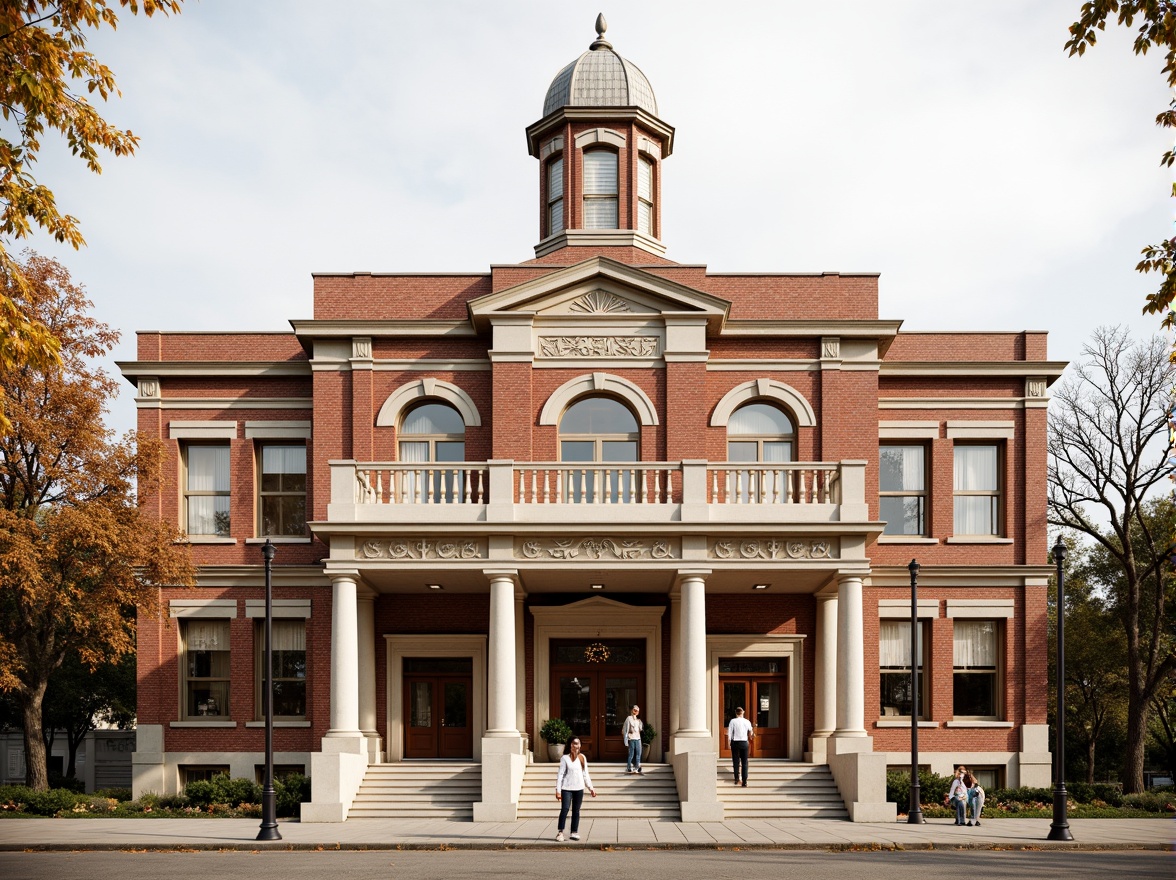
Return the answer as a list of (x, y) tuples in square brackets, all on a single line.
[(282, 494), (975, 677), (206, 489), (555, 191), (289, 668), (894, 661), (201, 773), (902, 485), (977, 489), (600, 190), (645, 196), (206, 668)]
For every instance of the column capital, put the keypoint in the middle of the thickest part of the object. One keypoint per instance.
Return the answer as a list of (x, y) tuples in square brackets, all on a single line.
[(691, 573)]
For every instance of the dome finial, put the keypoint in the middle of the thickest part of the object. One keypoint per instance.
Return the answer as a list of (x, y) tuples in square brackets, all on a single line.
[(600, 42)]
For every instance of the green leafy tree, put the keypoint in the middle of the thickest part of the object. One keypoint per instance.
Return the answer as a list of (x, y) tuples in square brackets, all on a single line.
[(77, 557), (1155, 28), (1109, 450), (47, 78), (80, 697)]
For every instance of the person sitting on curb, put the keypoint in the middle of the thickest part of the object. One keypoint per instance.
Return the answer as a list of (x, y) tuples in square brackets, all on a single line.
[(957, 794), (975, 798)]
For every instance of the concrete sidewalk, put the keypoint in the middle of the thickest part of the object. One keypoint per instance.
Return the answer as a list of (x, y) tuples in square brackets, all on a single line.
[(820, 834)]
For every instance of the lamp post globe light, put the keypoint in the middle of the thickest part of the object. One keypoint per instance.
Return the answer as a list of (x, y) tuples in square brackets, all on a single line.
[(915, 810), (269, 797), (1059, 828)]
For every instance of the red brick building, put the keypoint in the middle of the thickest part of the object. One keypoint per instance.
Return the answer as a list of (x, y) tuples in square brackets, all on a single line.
[(593, 479)]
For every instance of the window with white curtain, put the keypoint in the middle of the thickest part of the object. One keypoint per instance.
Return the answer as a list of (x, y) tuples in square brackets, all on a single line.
[(555, 191), (644, 196), (289, 667), (598, 429), (894, 661), (902, 485), (976, 673), (206, 665), (432, 432), (977, 489), (206, 489), (600, 189), (759, 432), (282, 490)]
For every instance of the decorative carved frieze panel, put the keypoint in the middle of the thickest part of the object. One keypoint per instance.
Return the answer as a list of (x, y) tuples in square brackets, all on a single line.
[(770, 548), (148, 387), (421, 548), (830, 346), (1035, 387), (597, 548), (598, 346), (599, 302)]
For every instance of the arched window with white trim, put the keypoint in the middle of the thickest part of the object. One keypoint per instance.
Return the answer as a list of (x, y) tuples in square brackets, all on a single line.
[(593, 430), (600, 190), (432, 432), (760, 433)]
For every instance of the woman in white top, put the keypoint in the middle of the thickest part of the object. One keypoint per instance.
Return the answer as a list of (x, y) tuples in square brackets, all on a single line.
[(569, 787), (957, 794)]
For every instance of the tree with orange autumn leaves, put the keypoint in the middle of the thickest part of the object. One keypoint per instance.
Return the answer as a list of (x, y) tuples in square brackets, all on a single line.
[(77, 557)]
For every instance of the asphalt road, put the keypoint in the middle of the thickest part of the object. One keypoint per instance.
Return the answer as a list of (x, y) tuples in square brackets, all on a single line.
[(584, 864)]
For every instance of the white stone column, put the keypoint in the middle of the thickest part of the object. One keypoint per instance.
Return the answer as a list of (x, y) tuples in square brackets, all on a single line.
[(366, 617), (675, 664), (824, 678), (851, 682), (520, 663), (344, 657), (501, 720), (692, 648)]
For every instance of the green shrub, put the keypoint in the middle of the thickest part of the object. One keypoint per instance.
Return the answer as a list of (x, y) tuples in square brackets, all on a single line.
[(69, 783), (648, 733), (14, 797), (555, 731), (51, 802), (292, 790), (1018, 796), (1152, 801), (119, 794), (221, 790), (932, 788), (172, 802)]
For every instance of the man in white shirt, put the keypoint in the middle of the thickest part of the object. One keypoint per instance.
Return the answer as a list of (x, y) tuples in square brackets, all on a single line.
[(631, 735), (739, 735)]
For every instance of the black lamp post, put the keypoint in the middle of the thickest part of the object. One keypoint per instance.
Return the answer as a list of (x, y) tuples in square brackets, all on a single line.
[(269, 797), (1059, 828), (915, 811)]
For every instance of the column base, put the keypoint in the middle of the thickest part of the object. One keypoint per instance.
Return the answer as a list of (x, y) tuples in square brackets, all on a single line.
[(860, 774), (375, 747), (698, 787), (504, 758), (818, 752), (336, 774)]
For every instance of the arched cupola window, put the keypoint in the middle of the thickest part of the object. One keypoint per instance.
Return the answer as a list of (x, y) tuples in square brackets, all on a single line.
[(600, 190), (555, 196), (644, 195)]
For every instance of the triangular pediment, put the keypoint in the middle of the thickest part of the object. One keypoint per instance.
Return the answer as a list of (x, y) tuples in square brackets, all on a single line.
[(598, 289)]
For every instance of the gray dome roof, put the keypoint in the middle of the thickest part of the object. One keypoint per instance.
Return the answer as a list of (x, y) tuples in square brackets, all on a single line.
[(600, 78)]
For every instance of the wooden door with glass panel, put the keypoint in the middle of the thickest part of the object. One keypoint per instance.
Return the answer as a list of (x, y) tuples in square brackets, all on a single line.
[(595, 698), (760, 687), (438, 708)]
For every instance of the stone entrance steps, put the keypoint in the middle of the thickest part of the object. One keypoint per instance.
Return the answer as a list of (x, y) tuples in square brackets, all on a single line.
[(419, 790), (619, 795), (778, 789)]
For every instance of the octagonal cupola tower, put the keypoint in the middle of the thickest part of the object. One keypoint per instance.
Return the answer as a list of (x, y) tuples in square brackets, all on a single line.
[(600, 145)]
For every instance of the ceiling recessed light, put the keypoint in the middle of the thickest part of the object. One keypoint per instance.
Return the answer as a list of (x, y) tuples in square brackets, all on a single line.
[(434, 586), (760, 586), (597, 586)]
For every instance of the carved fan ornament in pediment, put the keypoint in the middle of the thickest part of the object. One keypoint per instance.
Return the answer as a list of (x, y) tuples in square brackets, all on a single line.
[(599, 302)]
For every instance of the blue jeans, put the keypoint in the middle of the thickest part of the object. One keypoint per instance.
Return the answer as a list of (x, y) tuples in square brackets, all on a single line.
[(739, 752), (959, 804), (634, 761), (571, 799), (976, 804)]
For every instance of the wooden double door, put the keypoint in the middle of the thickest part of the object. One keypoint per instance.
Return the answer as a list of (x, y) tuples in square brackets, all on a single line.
[(595, 698), (438, 708), (760, 687)]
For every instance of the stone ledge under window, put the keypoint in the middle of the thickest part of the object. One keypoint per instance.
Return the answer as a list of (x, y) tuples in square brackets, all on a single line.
[(205, 539), (891, 722), (275, 539), (1004, 724), (978, 539), (204, 724), (906, 539), (278, 724)]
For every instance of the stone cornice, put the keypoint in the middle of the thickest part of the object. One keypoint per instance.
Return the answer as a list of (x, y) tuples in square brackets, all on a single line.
[(131, 370), (1048, 369), (537, 130), (311, 329), (847, 328)]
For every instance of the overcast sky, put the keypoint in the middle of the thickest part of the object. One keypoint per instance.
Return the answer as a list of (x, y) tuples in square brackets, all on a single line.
[(994, 182)]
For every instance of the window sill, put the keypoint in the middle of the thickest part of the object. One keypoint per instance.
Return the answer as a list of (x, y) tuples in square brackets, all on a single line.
[(278, 724), (205, 539), (978, 539), (204, 724), (892, 722), (276, 539), (980, 723), (906, 539)]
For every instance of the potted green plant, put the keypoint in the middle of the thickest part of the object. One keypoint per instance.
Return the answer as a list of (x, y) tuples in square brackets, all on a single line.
[(556, 732), (648, 733)]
